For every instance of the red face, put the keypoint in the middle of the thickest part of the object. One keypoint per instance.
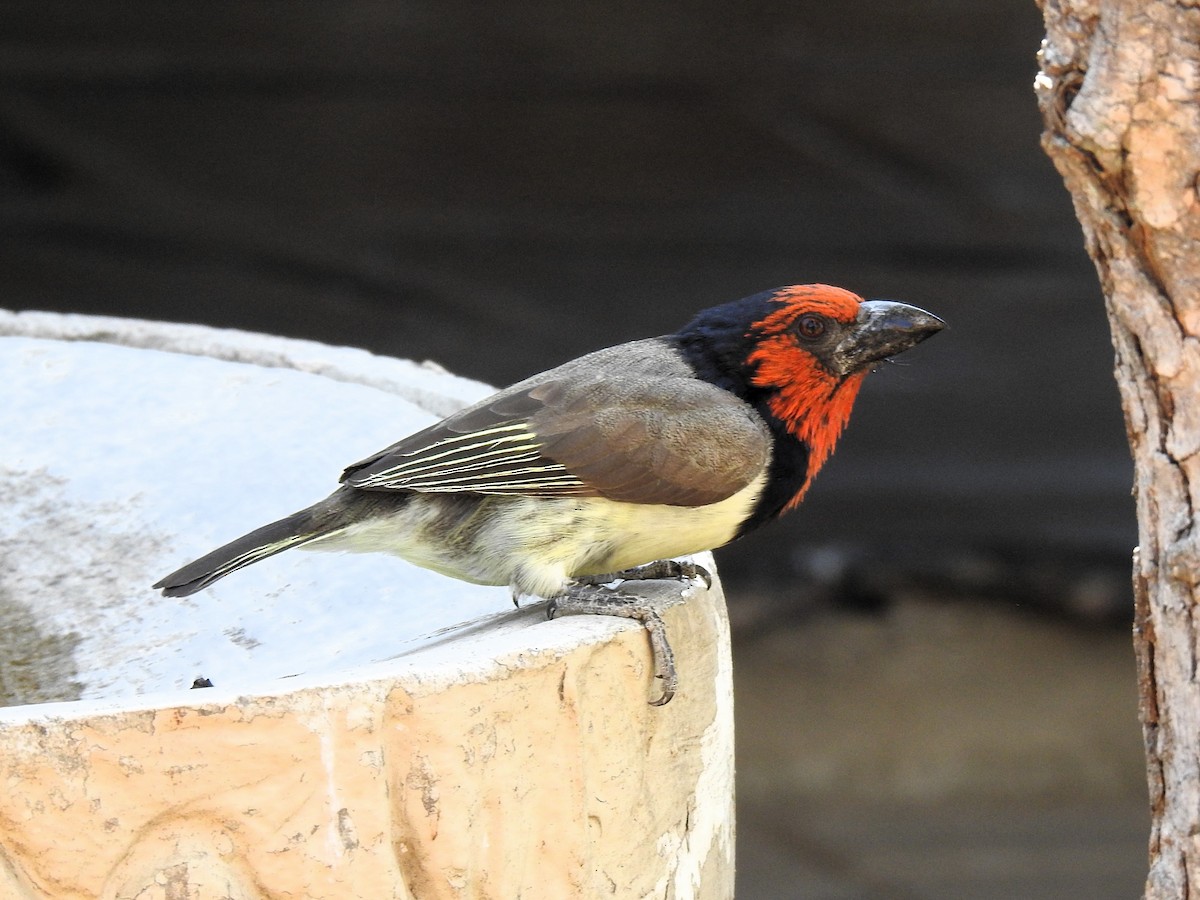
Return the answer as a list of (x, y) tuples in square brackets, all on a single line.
[(791, 359)]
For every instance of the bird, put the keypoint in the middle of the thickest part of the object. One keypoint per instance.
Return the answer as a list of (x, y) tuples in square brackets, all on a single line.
[(608, 467)]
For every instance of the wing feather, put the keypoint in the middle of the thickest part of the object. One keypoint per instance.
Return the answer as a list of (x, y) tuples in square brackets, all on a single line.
[(631, 423)]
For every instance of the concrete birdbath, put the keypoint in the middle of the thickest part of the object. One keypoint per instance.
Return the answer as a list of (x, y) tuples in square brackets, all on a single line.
[(374, 730)]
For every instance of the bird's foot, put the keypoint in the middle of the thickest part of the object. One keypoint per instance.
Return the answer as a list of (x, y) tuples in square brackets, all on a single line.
[(584, 597), (660, 569)]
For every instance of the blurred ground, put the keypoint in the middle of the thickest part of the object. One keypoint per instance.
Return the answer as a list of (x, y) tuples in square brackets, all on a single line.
[(942, 749)]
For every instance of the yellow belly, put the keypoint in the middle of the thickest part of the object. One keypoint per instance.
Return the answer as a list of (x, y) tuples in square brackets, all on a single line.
[(536, 545)]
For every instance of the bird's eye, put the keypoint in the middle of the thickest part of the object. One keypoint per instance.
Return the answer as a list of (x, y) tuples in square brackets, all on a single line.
[(810, 327)]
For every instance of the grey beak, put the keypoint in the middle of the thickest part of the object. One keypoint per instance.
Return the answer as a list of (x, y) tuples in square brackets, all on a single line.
[(883, 328)]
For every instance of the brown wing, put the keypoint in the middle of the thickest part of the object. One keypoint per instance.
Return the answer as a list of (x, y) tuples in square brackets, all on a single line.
[(630, 423)]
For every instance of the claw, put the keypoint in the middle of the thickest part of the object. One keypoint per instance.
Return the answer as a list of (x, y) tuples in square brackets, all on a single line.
[(691, 571), (584, 597), (664, 656), (663, 568)]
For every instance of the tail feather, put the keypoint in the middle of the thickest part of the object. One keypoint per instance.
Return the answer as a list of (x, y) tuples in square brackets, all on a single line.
[(298, 528)]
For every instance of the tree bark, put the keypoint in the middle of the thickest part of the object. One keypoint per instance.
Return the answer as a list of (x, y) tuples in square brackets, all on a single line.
[(1119, 90)]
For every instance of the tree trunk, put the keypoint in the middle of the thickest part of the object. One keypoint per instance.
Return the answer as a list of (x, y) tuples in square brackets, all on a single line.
[(1119, 90)]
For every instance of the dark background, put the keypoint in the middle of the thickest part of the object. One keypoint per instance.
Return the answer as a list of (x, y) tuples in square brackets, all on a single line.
[(500, 187)]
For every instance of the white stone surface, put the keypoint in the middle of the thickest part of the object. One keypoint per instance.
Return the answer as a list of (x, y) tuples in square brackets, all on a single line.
[(118, 465)]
